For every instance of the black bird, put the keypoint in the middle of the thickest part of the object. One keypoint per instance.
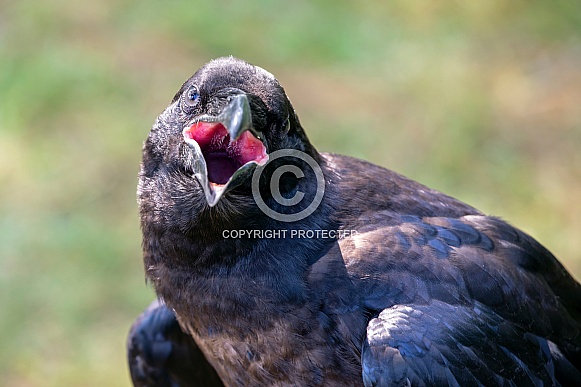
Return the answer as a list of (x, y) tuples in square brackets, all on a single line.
[(285, 266)]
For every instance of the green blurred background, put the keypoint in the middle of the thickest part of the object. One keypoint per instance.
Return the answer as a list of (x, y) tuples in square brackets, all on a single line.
[(481, 100)]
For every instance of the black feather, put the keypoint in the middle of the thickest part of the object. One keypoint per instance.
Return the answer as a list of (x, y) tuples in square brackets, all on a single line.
[(426, 291)]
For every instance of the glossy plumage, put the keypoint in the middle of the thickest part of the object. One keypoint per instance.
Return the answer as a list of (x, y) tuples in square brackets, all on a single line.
[(427, 291)]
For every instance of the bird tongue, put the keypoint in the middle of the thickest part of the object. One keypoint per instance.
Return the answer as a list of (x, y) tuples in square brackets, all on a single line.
[(223, 156)]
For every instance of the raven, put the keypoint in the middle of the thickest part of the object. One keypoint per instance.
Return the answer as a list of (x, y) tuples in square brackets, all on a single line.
[(279, 265)]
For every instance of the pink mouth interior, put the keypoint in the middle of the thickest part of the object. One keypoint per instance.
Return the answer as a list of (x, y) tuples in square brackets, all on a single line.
[(223, 157)]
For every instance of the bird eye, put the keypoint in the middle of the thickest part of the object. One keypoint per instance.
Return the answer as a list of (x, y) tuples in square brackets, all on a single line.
[(192, 96)]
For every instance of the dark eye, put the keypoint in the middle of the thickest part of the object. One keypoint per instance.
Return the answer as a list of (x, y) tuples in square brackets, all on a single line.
[(192, 96)]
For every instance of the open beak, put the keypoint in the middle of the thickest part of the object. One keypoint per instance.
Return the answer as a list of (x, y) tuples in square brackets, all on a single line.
[(226, 148)]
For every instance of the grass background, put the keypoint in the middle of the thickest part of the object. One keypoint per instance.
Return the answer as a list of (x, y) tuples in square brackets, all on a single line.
[(481, 100)]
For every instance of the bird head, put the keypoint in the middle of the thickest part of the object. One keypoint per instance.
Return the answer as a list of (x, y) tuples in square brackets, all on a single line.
[(223, 122)]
